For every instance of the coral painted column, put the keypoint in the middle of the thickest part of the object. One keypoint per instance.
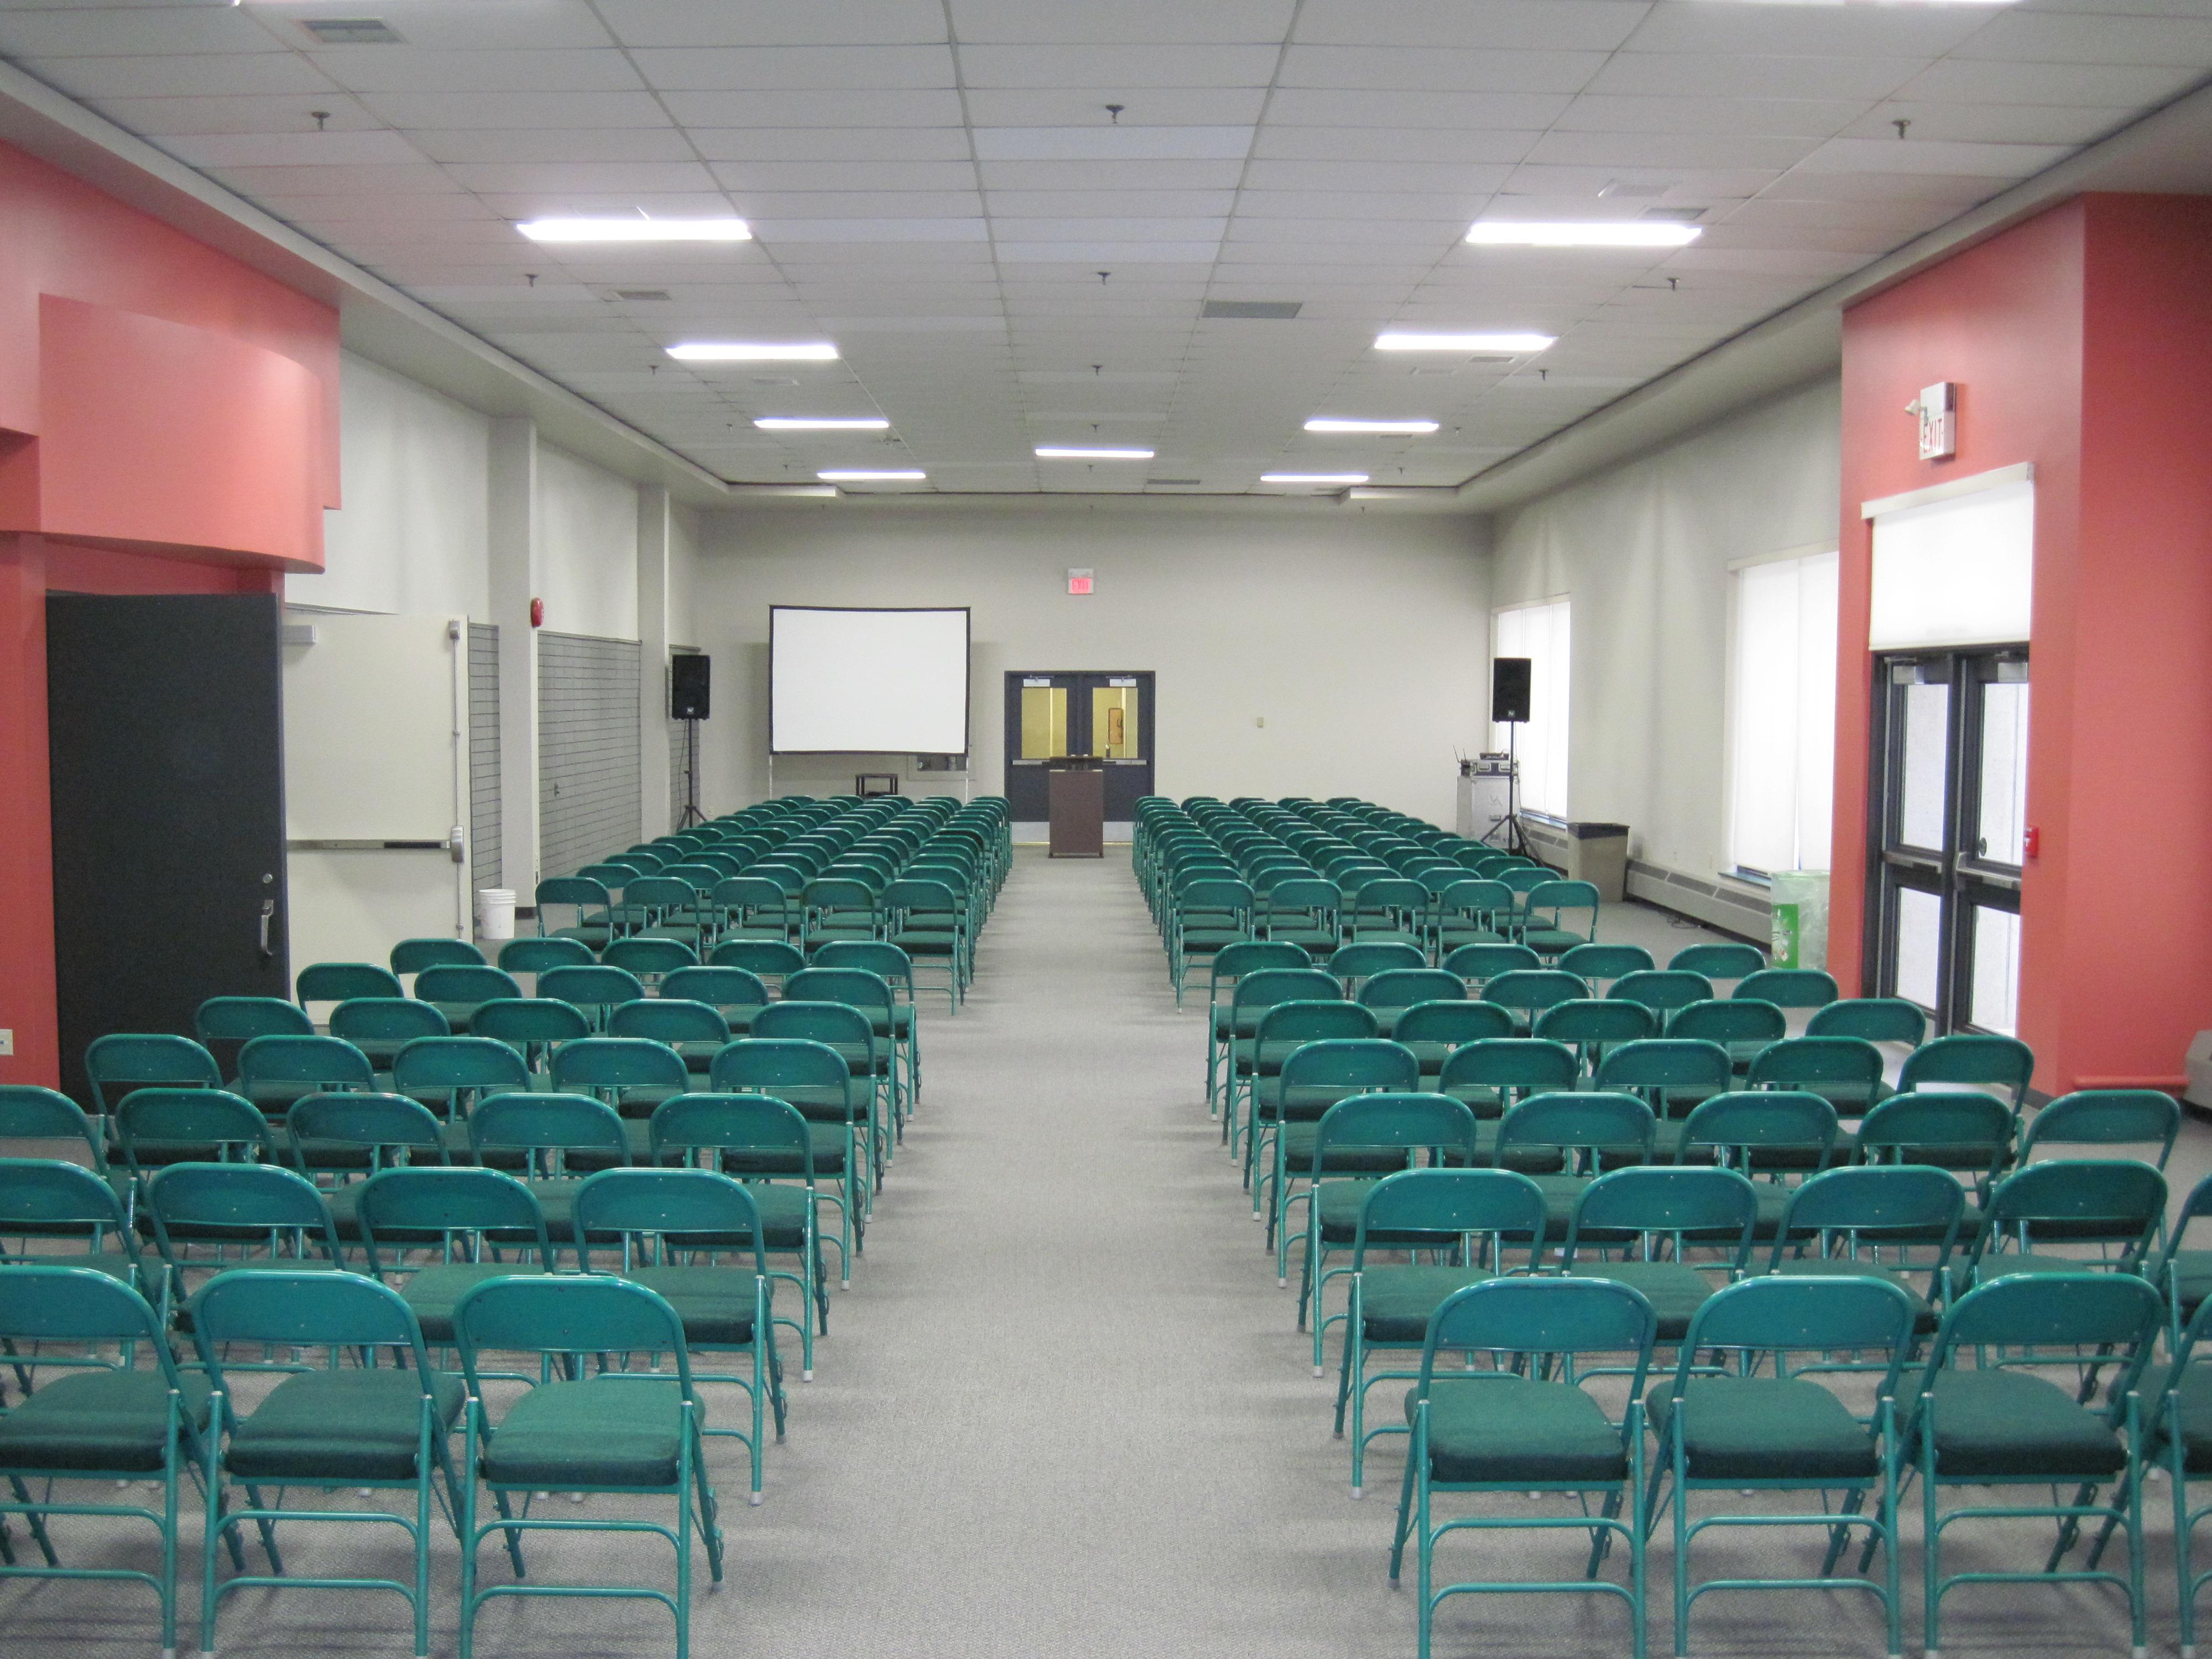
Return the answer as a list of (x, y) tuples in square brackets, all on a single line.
[(2080, 342)]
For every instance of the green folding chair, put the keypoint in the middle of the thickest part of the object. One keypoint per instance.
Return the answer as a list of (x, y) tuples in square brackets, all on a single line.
[(618, 1433), (1464, 1220), (105, 1426), (1723, 1426), (467, 1225), (669, 1227), (1513, 1430), (385, 1429)]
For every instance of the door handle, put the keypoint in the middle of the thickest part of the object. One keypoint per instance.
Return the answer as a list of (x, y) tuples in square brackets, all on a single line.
[(268, 915)]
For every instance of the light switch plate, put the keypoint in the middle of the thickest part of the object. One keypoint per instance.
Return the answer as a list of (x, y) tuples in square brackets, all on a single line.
[(7, 1043)]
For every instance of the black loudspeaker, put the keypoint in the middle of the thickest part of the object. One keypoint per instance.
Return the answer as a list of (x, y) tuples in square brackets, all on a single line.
[(687, 687), (1509, 688)]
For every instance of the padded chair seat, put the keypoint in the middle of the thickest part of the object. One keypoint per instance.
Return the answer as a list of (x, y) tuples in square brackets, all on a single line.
[(2006, 1423), (1675, 1290), (1452, 937), (715, 1303), (1316, 941), (924, 942), (343, 1425), (433, 1292), (1396, 1304), (1298, 1150), (1552, 941), (458, 1015), (1211, 938), (1762, 1428), (98, 1422), (1512, 1431), (829, 1157), (594, 937), (609, 1432), (1340, 1202), (1925, 1316), (113, 1263)]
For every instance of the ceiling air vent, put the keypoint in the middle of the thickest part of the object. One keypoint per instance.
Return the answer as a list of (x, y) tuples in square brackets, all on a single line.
[(642, 295), (350, 31), (1278, 311), (1674, 216), (1162, 484)]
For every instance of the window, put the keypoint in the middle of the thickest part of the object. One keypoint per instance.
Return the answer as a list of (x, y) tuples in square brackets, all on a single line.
[(1782, 713), (1539, 633)]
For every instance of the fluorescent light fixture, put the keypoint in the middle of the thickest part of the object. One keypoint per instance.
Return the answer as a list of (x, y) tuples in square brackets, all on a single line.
[(1412, 340), (755, 351), (1065, 452), (616, 229), (822, 423), (1314, 478), (872, 475), (1603, 233), (1331, 423)]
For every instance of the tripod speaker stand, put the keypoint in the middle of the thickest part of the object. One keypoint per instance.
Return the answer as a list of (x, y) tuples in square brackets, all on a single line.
[(1509, 684)]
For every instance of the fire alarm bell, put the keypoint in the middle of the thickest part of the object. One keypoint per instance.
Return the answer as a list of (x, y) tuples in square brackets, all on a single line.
[(1937, 409), (538, 613), (1078, 582)]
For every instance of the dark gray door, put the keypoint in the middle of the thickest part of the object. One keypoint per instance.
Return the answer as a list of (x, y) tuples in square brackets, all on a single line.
[(166, 741), (1107, 713)]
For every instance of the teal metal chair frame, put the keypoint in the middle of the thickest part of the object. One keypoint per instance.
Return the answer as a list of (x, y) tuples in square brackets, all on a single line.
[(567, 1318), (1555, 1319), (1466, 1217), (2115, 1315), (275, 1308), (1776, 1317), (79, 1304)]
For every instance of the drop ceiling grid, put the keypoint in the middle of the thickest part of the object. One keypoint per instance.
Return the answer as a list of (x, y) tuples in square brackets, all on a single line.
[(936, 183)]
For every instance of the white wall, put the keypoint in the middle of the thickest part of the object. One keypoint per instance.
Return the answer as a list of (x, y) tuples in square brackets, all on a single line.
[(1360, 636), (412, 535), (1643, 551), (586, 548), (687, 541)]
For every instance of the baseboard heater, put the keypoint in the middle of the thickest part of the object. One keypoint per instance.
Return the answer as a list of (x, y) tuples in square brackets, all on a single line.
[(1724, 909)]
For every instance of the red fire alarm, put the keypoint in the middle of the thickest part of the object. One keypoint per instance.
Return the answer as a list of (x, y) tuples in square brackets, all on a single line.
[(538, 613), (2030, 840), (1078, 582)]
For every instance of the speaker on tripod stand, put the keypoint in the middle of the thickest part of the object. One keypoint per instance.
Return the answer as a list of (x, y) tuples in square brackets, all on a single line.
[(689, 676), (1510, 679)]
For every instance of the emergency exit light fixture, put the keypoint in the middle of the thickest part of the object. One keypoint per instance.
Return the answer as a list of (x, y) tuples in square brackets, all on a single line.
[(1078, 583)]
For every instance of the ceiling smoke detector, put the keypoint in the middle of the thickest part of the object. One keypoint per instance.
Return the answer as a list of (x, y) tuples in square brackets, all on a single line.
[(1253, 310), (351, 31)]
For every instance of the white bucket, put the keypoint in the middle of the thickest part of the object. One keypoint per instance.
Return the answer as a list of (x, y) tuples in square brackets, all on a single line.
[(496, 913)]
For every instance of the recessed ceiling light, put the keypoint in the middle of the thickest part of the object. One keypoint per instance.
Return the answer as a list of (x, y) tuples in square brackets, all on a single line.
[(755, 351), (1603, 233), (822, 423), (617, 229), (1065, 452), (1332, 423), (1410, 340), (872, 475), (1313, 477)]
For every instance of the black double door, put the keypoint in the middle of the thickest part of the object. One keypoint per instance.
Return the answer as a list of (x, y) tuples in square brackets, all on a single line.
[(1053, 712), (166, 752), (1951, 834)]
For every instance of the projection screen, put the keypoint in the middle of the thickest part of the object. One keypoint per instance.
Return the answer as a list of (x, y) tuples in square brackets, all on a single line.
[(868, 682)]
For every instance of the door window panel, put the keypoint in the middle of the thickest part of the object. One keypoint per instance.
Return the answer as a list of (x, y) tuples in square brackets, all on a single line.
[(1918, 960), (1993, 1000), (2004, 792), (1926, 756)]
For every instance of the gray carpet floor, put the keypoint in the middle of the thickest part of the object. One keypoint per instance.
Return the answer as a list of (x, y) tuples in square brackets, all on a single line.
[(1064, 1410)]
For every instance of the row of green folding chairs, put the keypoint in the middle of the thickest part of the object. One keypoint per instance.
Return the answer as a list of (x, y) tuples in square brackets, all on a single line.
[(614, 1409), (1567, 1182), (832, 1046)]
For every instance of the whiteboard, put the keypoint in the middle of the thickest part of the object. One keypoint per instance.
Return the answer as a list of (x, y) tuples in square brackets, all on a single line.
[(1958, 571), (868, 682)]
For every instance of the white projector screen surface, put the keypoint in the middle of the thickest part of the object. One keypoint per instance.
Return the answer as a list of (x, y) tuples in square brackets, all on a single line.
[(868, 682)]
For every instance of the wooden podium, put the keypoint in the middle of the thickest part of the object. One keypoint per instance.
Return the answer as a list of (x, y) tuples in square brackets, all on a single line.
[(1076, 807)]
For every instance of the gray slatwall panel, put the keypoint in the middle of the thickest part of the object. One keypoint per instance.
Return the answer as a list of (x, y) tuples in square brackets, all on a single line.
[(483, 756), (588, 753)]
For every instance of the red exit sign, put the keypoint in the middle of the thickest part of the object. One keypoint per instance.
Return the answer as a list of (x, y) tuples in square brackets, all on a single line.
[(1078, 582)]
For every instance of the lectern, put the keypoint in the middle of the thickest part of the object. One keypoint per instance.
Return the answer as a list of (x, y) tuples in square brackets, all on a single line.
[(1076, 807)]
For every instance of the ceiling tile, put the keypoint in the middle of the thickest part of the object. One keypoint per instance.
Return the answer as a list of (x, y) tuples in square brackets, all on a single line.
[(181, 74), (793, 70), (1085, 106), (1509, 25), (773, 23), (1165, 21), (456, 111), (414, 69), (881, 107)]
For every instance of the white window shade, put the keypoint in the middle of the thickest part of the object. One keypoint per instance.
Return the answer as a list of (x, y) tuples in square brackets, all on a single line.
[(868, 682), (1782, 713), (1542, 634), (1954, 571)]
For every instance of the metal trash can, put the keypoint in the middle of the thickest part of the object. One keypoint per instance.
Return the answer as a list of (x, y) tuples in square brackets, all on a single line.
[(1598, 853)]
